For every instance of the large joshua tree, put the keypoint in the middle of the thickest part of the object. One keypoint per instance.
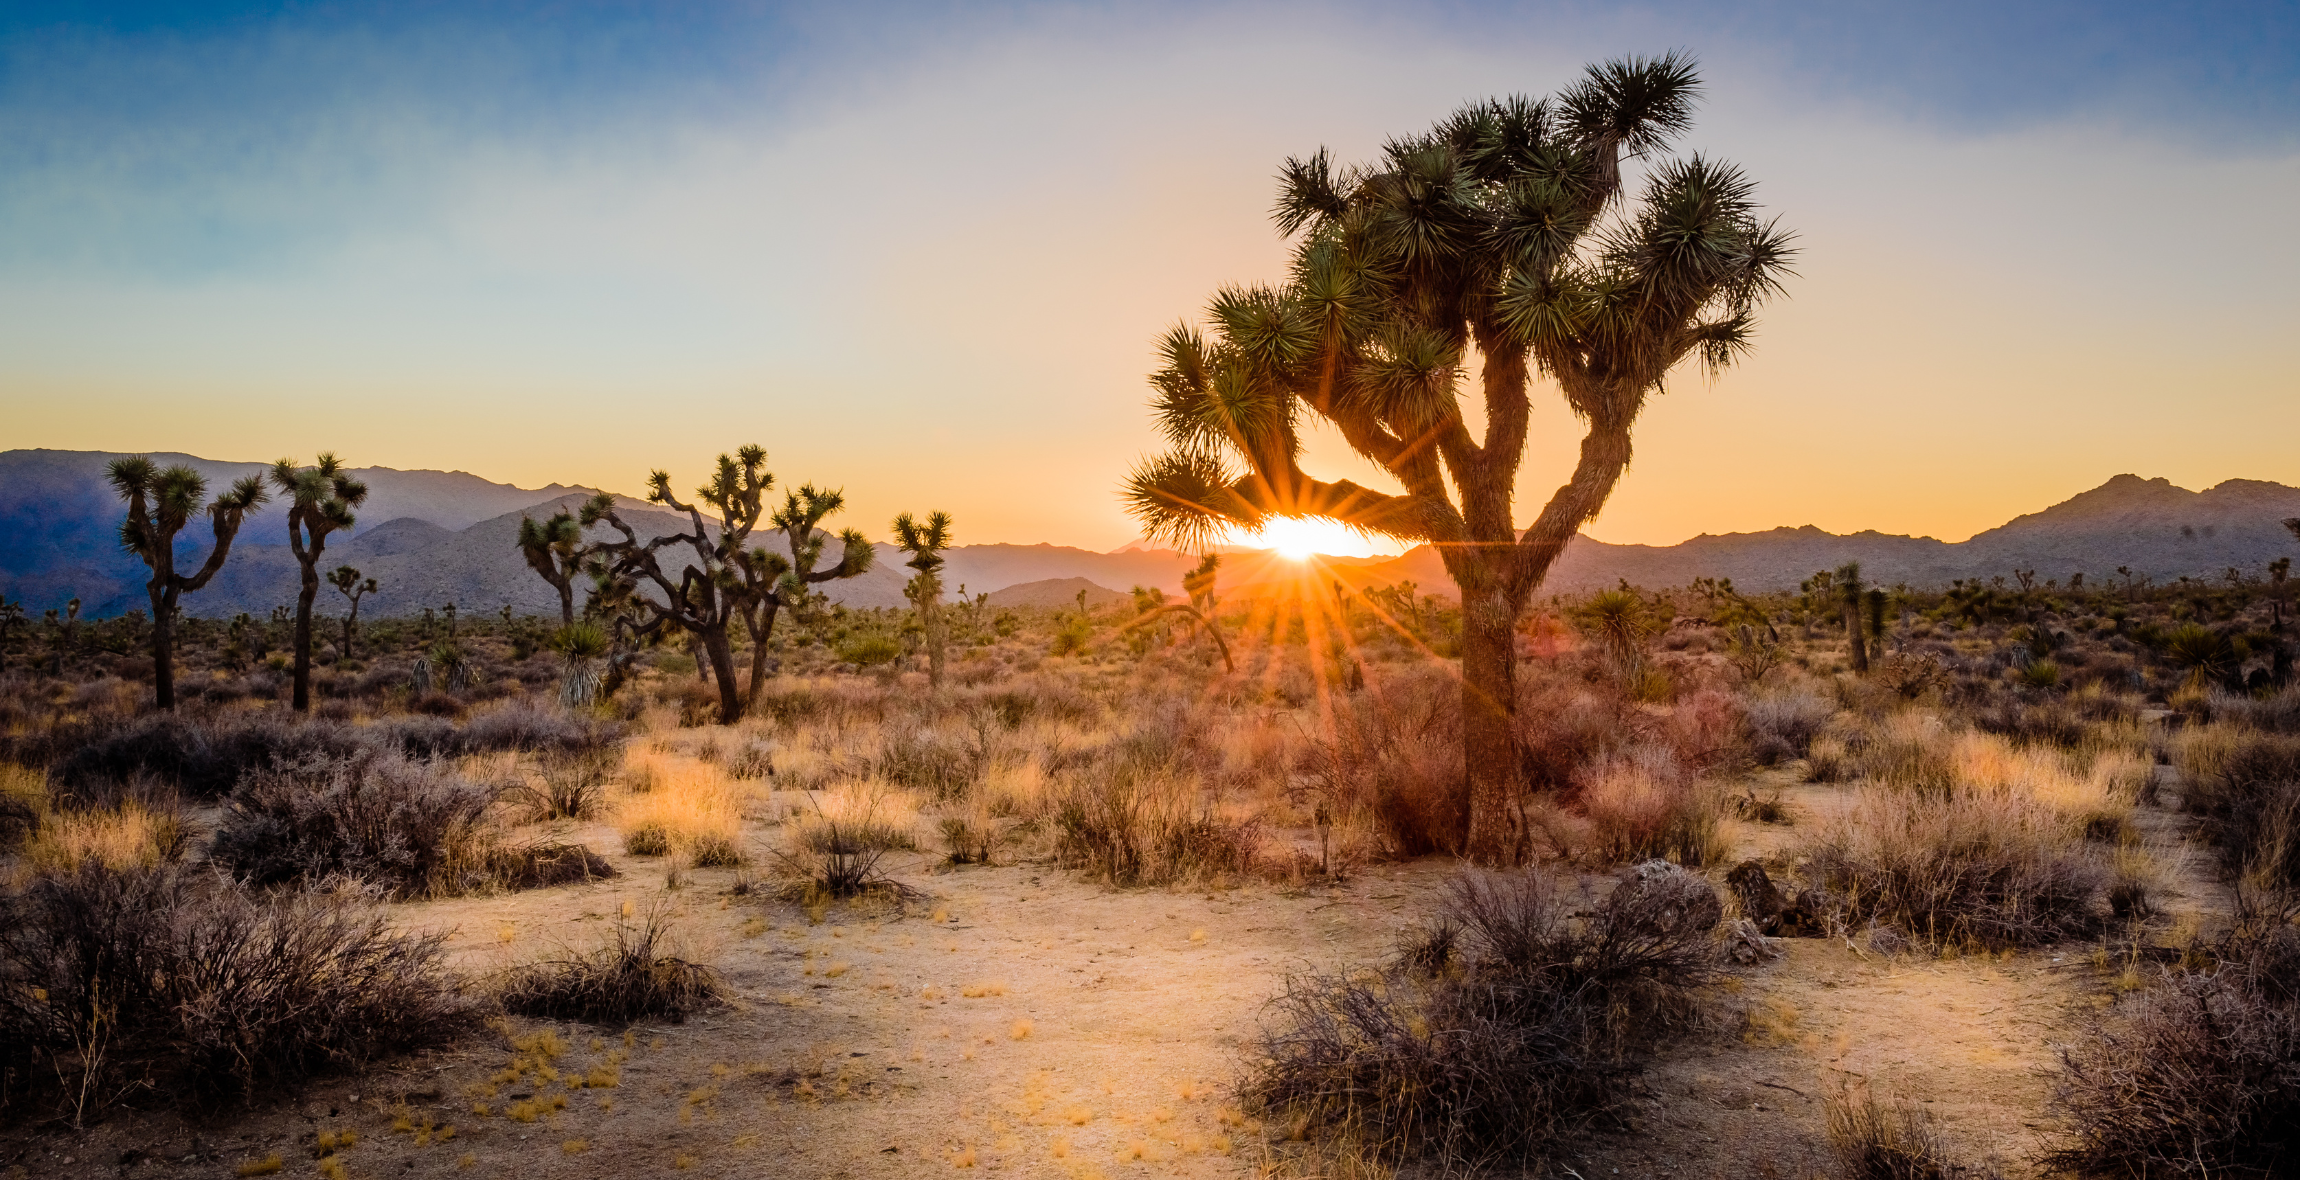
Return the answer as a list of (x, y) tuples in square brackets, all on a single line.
[(1502, 235), (722, 577), (320, 500), (160, 503), (925, 543)]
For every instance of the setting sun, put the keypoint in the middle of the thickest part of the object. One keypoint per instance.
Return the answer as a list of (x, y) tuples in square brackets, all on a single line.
[(1298, 540)]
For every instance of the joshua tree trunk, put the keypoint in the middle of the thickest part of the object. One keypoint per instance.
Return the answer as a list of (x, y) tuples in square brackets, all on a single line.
[(163, 645), (722, 665), (303, 600), (1853, 635), (1493, 791), (760, 622), (930, 617)]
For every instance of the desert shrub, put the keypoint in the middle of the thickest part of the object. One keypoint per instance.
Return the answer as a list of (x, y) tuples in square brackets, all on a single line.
[(121, 984), (630, 979), (2198, 1075), (1781, 726), (544, 863), (2047, 722), (834, 848), (1504, 1032), (1641, 804), (751, 760), (1992, 868), (1561, 725), (2279, 713), (1829, 760), (538, 727), (574, 785), (23, 801), (1145, 827), (404, 826), (1039, 698), (868, 649), (1911, 752), (1414, 791), (966, 841), (203, 757), (2245, 784), (936, 764)]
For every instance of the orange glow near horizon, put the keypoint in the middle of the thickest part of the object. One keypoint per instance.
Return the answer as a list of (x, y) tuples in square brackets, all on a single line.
[(1299, 540)]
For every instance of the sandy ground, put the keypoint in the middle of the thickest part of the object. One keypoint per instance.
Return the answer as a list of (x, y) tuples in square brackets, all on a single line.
[(1014, 1019)]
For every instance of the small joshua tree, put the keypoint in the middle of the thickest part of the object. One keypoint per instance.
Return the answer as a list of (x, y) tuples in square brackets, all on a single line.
[(347, 581), (159, 504), (925, 544), (1848, 584), (1198, 584), (12, 620), (320, 501), (554, 549), (774, 583)]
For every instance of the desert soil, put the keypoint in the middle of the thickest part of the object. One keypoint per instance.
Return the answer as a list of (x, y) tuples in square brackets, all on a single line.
[(1015, 1019)]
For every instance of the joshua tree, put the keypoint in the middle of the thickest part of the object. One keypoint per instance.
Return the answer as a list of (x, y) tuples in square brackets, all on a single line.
[(925, 544), (1198, 584), (554, 549), (11, 621), (347, 581), (1848, 583), (709, 590), (1503, 229), (320, 499), (773, 583), (159, 504)]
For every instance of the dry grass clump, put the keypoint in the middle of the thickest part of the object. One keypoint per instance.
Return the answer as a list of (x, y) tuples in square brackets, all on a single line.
[(2245, 783), (1641, 804), (833, 848), (119, 983), (131, 834), (1505, 1030), (1872, 1142), (1993, 868), (629, 979), (1148, 827), (692, 810), (2200, 1074)]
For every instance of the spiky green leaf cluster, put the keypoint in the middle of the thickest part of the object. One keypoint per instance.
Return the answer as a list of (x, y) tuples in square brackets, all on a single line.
[(1500, 233)]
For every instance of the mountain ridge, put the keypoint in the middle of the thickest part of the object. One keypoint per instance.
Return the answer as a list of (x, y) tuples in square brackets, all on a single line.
[(430, 537)]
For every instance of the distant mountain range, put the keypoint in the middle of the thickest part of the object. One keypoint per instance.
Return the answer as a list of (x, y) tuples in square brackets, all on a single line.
[(432, 537)]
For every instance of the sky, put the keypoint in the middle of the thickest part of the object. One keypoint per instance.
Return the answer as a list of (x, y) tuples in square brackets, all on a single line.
[(921, 251)]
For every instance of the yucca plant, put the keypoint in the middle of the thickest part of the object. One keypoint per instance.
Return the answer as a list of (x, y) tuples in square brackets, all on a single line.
[(160, 503), (1502, 230), (320, 501), (581, 645)]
